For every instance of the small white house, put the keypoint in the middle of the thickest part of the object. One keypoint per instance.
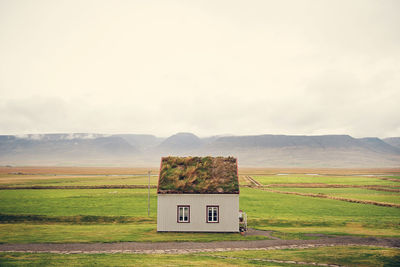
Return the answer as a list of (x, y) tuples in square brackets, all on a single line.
[(198, 194)]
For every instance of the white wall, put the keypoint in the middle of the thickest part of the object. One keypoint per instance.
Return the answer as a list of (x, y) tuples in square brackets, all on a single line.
[(228, 212)]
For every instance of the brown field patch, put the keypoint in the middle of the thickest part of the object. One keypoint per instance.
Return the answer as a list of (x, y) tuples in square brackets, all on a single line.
[(77, 187), (387, 188), (76, 170), (155, 169), (24, 178), (324, 171)]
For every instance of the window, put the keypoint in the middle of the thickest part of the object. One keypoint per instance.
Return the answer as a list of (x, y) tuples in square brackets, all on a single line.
[(212, 214), (183, 214)]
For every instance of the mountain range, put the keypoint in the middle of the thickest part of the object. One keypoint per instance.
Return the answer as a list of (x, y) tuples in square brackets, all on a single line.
[(85, 149)]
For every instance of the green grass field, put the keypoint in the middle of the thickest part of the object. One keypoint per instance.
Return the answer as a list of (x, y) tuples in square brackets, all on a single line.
[(133, 202), (299, 214), (347, 256), (345, 180), (353, 193), (268, 211), (70, 202), (81, 180), (74, 180), (261, 205), (93, 233), (118, 215)]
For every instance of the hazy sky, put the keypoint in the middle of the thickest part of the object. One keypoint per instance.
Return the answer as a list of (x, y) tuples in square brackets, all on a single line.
[(207, 67)]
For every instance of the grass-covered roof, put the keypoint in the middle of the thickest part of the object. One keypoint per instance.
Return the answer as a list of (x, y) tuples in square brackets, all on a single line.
[(198, 175)]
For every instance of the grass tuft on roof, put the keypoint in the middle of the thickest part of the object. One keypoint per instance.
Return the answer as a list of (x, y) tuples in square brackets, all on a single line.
[(198, 175)]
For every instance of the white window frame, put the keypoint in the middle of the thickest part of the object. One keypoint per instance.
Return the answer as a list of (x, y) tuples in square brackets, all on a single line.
[(214, 214), (181, 211)]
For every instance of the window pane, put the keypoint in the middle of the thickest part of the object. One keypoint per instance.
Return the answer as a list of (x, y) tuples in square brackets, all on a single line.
[(180, 214), (212, 213), (183, 214)]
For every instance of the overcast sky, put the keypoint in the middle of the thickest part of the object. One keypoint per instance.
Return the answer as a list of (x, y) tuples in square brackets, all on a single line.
[(207, 67)]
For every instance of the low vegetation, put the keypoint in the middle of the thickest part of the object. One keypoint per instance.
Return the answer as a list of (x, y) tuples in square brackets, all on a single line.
[(312, 179), (87, 215), (15, 180), (116, 215), (72, 202), (352, 193), (300, 214), (342, 255), (347, 256), (140, 231), (198, 175)]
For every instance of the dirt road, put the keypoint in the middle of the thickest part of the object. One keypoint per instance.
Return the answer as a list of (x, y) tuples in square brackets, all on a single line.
[(191, 247)]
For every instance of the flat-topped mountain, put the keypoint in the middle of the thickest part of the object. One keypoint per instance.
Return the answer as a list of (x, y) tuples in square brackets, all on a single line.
[(273, 141), (146, 150)]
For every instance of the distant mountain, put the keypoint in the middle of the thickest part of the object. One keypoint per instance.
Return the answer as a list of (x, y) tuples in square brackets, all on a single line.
[(145, 150), (141, 141), (181, 142), (393, 141), (377, 145), (63, 148), (274, 141), (306, 151)]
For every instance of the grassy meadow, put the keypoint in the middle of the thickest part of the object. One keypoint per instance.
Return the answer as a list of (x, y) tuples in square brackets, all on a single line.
[(87, 215), (321, 179), (71, 202), (288, 214), (345, 256), (118, 215), (75, 180), (352, 193)]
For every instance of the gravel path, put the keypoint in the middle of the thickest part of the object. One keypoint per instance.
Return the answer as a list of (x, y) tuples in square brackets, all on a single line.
[(191, 247)]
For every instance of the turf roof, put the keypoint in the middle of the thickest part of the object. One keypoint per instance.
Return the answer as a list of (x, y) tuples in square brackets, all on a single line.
[(198, 175)]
